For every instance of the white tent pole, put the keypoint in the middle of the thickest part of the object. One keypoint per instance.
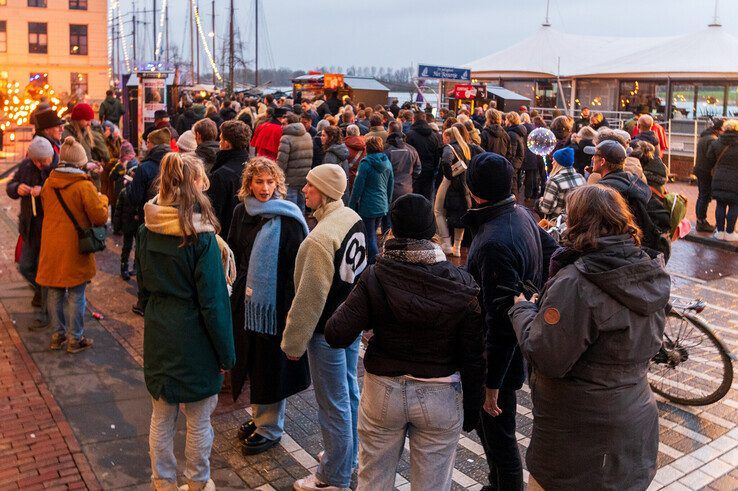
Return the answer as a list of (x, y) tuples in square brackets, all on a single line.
[(572, 98)]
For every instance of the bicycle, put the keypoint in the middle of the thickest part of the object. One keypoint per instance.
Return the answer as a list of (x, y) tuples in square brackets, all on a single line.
[(693, 366)]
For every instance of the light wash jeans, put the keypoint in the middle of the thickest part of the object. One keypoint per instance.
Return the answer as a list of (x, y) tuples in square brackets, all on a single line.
[(66, 307), (294, 194), (337, 393), (269, 419), (199, 440), (429, 413)]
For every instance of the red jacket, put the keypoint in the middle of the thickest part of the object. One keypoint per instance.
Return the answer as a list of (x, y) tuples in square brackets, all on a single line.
[(266, 139)]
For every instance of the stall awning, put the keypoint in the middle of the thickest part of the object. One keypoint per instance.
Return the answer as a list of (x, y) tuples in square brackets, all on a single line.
[(364, 83), (505, 94)]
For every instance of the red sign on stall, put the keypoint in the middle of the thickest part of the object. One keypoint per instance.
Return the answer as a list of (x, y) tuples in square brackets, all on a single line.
[(465, 91)]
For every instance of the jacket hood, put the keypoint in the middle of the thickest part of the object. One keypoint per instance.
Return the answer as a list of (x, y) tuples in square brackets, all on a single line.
[(629, 185), (396, 140), (419, 293), (649, 136), (496, 130), (61, 177), (157, 153), (422, 128), (339, 150), (110, 98), (294, 129), (199, 110), (627, 274), (356, 143), (164, 219), (519, 129), (729, 138), (231, 158), (378, 161)]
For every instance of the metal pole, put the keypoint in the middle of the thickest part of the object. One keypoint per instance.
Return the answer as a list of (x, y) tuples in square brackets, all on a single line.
[(153, 15), (256, 45), (166, 20), (192, 45), (231, 53), (212, 10), (134, 33), (197, 44)]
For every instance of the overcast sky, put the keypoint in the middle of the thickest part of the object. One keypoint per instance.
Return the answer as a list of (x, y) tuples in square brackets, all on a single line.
[(303, 34)]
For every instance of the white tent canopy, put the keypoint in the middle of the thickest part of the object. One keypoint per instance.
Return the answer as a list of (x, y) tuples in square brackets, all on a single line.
[(710, 53)]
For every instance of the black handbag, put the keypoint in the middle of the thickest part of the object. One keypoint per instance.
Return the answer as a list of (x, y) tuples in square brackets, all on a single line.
[(90, 239)]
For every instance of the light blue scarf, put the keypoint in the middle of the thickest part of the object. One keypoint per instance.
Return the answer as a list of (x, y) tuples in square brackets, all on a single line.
[(261, 279)]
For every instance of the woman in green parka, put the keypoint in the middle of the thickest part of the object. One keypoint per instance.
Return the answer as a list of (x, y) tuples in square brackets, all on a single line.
[(188, 338)]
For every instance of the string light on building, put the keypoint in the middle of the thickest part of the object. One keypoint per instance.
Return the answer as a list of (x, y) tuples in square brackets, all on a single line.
[(205, 41), (17, 105), (126, 58), (110, 45), (162, 17)]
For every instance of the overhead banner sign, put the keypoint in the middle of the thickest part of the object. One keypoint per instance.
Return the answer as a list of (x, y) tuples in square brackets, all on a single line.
[(444, 72)]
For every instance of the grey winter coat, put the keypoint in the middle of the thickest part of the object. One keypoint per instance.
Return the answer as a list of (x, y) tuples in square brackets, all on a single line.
[(405, 164), (337, 154), (589, 339), (295, 154)]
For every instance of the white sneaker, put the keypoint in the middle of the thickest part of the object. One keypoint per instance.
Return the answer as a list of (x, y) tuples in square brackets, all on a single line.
[(198, 486), (312, 483), (732, 237), (718, 235)]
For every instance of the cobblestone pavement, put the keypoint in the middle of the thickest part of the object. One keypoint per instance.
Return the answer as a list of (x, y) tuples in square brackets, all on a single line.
[(98, 398)]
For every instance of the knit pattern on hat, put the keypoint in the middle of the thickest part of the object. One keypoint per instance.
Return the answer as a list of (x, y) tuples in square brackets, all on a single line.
[(160, 136), (40, 149), (82, 111), (187, 142), (72, 152), (330, 179)]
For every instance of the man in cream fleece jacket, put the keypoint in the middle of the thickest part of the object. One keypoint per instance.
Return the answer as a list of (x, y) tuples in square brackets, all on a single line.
[(327, 266)]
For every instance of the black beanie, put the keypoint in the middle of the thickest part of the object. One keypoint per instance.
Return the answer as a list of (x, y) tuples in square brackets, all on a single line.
[(489, 177), (412, 217)]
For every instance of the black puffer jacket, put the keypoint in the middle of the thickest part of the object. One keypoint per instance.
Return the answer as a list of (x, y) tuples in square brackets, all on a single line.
[(495, 139), (207, 152), (428, 144), (225, 181), (722, 159), (426, 321), (516, 154), (703, 146)]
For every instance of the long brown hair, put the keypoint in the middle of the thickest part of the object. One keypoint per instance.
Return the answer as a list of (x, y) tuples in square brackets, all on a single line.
[(597, 211), (178, 178), (333, 137)]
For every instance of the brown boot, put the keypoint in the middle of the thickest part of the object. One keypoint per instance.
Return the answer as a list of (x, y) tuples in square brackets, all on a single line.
[(77, 345), (164, 485), (57, 341)]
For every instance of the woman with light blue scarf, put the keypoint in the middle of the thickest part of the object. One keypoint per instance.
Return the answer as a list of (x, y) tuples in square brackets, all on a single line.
[(265, 235)]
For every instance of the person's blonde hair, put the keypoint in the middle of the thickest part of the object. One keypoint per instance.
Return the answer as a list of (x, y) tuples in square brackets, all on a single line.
[(177, 183), (256, 166), (512, 117), (454, 135), (730, 125), (82, 134), (525, 118)]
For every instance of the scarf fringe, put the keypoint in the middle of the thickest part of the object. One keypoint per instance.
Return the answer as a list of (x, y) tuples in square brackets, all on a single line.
[(261, 319)]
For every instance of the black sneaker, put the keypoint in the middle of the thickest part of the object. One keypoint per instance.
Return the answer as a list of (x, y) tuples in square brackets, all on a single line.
[(137, 310), (705, 226), (125, 274), (246, 430), (256, 444)]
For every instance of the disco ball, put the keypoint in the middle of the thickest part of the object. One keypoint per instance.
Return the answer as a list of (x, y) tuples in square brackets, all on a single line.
[(541, 141)]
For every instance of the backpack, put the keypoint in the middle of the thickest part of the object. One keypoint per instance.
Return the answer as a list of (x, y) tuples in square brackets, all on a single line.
[(676, 206)]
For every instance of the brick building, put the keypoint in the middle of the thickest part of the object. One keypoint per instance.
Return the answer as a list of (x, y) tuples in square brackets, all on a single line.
[(62, 42)]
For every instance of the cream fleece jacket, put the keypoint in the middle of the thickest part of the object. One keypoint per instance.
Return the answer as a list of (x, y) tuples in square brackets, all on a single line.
[(314, 273)]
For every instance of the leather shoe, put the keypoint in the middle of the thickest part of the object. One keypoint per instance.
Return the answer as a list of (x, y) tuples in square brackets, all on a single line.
[(246, 430), (256, 444)]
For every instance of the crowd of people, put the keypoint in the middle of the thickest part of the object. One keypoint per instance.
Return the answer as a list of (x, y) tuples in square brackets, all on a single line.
[(269, 235)]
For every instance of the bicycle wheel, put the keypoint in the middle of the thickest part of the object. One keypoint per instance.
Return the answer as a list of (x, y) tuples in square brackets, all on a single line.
[(693, 367)]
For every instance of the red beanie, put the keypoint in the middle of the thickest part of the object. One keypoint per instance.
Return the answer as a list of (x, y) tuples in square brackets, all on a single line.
[(83, 111)]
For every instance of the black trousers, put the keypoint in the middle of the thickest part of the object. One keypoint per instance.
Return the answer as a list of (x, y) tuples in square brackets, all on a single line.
[(531, 184), (704, 196), (424, 183), (500, 445), (125, 250)]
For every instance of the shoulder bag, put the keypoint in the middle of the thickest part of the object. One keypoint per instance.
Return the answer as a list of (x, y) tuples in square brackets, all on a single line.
[(90, 239), (458, 167)]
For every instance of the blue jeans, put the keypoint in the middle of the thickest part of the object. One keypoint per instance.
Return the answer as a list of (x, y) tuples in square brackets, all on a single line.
[(67, 310), (370, 229), (269, 419), (337, 393), (199, 439), (294, 194), (429, 413)]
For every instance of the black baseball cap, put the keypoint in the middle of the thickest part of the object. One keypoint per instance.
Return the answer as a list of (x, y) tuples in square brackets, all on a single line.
[(611, 150)]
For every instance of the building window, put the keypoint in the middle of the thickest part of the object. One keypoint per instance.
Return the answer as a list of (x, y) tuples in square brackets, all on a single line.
[(78, 4), (3, 36), (37, 37), (78, 84), (37, 3), (77, 39)]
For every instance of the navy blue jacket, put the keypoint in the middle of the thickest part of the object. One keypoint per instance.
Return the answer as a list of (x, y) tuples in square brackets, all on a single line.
[(508, 248), (140, 189)]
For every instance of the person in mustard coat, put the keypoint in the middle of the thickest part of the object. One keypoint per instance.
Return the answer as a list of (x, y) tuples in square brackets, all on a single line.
[(61, 267)]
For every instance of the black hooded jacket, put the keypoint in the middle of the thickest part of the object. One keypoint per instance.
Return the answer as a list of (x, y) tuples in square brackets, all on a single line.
[(427, 142), (420, 328), (225, 181), (495, 139), (518, 135)]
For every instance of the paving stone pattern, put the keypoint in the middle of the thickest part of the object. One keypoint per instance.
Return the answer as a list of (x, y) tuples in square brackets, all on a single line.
[(102, 402)]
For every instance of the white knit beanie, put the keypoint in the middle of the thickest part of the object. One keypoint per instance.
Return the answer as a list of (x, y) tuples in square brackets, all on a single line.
[(330, 179), (40, 149), (72, 152), (186, 142)]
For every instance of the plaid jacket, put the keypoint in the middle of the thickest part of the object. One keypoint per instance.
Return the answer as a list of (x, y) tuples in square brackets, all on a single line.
[(552, 203)]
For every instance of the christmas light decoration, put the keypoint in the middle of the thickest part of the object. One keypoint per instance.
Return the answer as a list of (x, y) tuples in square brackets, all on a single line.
[(162, 17), (17, 105), (205, 41), (116, 6)]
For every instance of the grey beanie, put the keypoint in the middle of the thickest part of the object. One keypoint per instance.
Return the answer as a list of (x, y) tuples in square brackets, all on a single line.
[(40, 148)]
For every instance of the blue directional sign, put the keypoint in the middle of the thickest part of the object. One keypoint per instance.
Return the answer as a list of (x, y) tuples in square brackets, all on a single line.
[(444, 72)]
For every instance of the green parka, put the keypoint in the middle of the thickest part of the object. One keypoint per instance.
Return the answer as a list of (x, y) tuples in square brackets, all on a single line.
[(188, 336)]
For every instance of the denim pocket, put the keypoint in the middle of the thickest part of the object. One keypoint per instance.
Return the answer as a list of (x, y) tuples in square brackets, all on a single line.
[(441, 405), (375, 398)]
